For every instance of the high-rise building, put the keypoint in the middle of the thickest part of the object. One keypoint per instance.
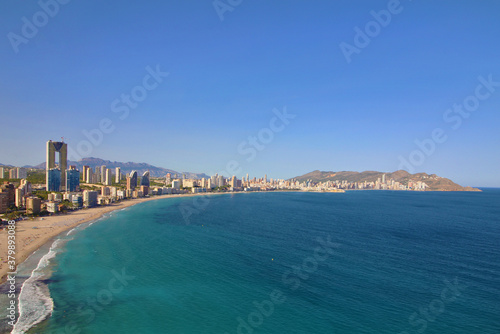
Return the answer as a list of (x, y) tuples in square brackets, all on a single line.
[(103, 173), (17, 173), (54, 179), (9, 189), (72, 179), (21, 192), (189, 183), (233, 182), (97, 175), (77, 200), (33, 205), (52, 207), (383, 178), (90, 175), (4, 202), (62, 149), (220, 181), (176, 184), (265, 178), (2, 172), (132, 180), (145, 190), (19, 197), (90, 198), (118, 174), (108, 180), (145, 179), (85, 172), (26, 186), (105, 191), (21, 173)]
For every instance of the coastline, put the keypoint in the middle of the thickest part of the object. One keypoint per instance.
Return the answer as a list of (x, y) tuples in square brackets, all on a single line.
[(33, 234)]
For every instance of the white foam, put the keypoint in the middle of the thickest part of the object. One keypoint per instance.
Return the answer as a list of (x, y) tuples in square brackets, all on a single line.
[(35, 303), (70, 231)]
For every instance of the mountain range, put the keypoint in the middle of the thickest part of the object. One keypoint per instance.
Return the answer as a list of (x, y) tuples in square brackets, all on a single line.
[(127, 167), (434, 182)]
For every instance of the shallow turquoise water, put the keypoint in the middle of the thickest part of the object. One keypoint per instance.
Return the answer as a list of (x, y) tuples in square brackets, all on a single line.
[(262, 263)]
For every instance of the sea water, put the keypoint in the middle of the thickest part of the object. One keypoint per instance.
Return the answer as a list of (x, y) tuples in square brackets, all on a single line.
[(289, 262)]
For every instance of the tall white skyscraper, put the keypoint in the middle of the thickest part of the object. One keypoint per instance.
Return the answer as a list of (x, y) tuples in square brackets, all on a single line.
[(90, 176), (108, 180), (85, 172), (118, 174), (103, 174), (220, 181)]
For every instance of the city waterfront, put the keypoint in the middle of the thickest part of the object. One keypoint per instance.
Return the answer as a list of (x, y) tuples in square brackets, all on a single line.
[(359, 262)]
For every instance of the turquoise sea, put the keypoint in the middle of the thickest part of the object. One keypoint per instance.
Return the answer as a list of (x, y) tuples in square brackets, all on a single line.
[(354, 262)]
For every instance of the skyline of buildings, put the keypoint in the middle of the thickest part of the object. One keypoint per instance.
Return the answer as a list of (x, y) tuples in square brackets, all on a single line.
[(104, 175), (102, 186), (101, 174)]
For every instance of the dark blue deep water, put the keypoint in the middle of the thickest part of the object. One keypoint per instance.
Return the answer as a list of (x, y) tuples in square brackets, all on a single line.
[(355, 262)]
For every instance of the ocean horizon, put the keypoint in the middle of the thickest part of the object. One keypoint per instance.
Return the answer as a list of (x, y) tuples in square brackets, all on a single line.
[(285, 262)]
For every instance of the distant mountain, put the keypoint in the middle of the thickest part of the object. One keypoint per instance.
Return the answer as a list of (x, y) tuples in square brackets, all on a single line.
[(434, 182), (127, 167), (25, 166)]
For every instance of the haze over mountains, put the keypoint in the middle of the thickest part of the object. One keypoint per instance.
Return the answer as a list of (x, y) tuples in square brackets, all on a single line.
[(127, 167), (434, 182)]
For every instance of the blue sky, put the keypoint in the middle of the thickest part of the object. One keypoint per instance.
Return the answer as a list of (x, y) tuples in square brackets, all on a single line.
[(225, 78)]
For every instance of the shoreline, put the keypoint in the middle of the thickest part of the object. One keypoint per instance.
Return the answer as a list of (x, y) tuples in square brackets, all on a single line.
[(34, 233)]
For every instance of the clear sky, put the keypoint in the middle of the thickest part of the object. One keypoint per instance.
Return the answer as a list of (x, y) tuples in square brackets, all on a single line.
[(360, 100)]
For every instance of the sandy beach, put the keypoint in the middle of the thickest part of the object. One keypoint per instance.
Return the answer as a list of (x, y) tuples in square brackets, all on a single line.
[(32, 234)]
